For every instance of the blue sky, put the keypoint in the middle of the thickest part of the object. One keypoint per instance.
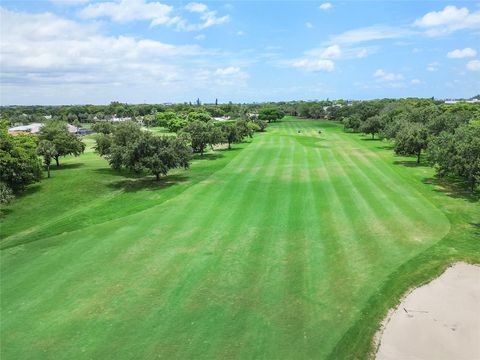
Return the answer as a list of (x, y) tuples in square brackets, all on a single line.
[(80, 51)]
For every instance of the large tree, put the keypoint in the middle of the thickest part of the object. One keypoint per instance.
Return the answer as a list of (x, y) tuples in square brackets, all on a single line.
[(48, 151), (458, 154), (200, 135), (19, 163), (411, 139), (373, 125), (270, 114), (232, 134), (65, 143)]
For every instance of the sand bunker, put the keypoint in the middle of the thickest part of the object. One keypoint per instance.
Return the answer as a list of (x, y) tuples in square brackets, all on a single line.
[(440, 320)]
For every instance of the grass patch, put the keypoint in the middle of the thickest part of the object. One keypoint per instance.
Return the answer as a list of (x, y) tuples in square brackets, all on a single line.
[(292, 246)]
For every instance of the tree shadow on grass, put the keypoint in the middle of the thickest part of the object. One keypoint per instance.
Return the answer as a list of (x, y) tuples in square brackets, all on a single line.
[(476, 227), (370, 139), (148, 183), (410, 163), (453, 187), (68, 166), (386, 147), (208, 156)]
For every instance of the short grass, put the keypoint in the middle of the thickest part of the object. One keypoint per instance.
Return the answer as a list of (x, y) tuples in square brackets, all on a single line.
[(291, 246)]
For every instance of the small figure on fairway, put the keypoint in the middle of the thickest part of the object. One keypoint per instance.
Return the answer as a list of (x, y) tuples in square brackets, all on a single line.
[(319, 131), (299, 131)]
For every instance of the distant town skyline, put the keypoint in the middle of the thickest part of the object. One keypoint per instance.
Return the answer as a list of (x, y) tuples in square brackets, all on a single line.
[(136, 51)]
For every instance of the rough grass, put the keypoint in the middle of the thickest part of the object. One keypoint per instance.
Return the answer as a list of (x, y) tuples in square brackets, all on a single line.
[(292, 246)]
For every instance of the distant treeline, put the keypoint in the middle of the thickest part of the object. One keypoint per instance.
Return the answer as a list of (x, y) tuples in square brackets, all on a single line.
[(448, 134)]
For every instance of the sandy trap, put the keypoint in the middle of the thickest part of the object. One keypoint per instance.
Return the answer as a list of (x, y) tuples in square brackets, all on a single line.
[(440, 320)]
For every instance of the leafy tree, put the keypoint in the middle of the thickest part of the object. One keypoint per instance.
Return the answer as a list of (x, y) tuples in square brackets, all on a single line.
[(164, 117), (458, 154), (199, 134), (373, 125), (231, 133), (48, 151), (244, 129), (217, 136), (159, 154), (270, 114), (411, 139), (65, 143), (6, 194), (175, 124), (19, 164), (103, 127), (197, 116), (262, 125), (352, 122)]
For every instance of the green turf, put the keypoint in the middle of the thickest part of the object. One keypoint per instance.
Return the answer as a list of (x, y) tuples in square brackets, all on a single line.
[(292, 246)]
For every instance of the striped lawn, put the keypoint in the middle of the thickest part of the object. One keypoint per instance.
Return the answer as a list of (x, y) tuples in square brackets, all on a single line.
[(271, 251)]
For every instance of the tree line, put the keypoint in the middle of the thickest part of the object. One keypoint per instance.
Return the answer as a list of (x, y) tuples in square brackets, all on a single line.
[(124, 145), (21, 156), (447, 136)]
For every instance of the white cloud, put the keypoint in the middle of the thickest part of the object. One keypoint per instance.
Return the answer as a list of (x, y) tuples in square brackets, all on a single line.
[(416, 82), (309, 25), (44, 48), (370, 33), (209, 18), (130, 10), (325, 6), (433, 66), (448, 20), (382, 75), (196, 7), (330, 52), (240, 33), (460, 54), (123, 11), (231, 75), (314, 65), (473, 65), (200, 37)]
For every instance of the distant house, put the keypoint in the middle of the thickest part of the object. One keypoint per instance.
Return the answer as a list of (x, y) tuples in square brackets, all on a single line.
[(472, 101), (119, 119), (84, 131), (33, 128), (72, 129), (252, 115), (222, 118)]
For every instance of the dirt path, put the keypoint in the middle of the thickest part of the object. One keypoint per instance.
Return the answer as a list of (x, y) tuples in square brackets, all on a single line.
[(440, 320)]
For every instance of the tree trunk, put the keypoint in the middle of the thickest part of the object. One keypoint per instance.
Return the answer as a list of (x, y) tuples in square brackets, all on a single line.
[(56, 160), (48, 170), (373, 136), (472, 184), (157, 175), (418, 156), (229, 145)]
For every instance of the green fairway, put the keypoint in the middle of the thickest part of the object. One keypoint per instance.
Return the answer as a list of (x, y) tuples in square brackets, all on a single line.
[(290, 246)]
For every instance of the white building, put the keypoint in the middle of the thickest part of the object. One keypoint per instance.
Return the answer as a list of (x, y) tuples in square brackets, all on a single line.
[(33, 128)]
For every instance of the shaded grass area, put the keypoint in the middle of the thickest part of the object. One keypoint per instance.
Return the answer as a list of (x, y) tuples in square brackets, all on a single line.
[(291, 247), (84, 191)]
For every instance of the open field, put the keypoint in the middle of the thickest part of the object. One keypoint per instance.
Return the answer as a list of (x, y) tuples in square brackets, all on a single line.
[(292, 246)]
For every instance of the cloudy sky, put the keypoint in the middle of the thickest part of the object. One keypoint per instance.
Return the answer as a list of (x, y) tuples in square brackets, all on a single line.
[(81, 51)]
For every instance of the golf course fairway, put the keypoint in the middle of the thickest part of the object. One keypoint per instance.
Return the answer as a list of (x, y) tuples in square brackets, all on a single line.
[(293, 245)]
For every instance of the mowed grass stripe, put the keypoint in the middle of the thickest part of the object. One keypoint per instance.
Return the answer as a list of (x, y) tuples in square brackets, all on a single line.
[(240, 275), (178, 288), (413, 200), (85, 269)]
